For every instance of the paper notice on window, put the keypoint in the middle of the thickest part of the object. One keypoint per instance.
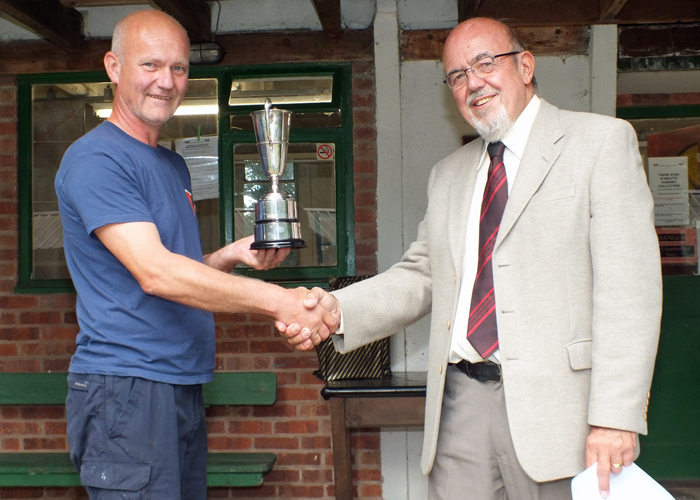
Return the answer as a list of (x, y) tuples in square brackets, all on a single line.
[(202, 158), (668, 180)]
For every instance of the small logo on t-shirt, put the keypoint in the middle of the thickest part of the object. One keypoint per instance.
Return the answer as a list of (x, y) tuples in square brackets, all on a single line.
[(189, 197)]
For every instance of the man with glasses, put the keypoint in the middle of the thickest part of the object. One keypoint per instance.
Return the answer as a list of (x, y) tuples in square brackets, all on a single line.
[(538, 260)]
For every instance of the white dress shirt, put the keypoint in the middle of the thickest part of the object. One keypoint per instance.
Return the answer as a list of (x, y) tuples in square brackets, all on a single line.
[(515, 140)]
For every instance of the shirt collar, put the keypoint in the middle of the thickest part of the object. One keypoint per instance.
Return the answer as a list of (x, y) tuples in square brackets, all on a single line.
[(516, 137)]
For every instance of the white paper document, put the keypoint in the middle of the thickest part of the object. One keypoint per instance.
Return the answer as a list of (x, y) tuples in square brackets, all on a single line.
[(668, 181), (202, 158), (631, 484)]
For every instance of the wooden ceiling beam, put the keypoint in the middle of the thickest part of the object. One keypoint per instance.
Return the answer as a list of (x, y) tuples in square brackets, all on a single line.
[(38, 56), (609, 9), (193, 15), (328, 12), (60, 25), (419, 45)]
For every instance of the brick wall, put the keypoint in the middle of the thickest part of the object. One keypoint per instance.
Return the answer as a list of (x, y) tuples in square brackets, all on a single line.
[(37, 333)]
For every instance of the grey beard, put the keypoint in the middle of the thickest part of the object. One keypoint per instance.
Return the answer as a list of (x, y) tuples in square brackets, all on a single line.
[(494, 130)]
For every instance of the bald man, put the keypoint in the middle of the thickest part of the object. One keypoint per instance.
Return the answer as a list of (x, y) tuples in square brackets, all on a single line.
[(545, 313), (146, 293)]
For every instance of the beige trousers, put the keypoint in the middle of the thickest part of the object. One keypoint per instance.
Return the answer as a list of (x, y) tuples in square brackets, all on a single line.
[(475, 457)]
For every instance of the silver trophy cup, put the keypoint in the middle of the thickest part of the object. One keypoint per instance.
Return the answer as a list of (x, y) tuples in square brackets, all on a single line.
[(276, 223)]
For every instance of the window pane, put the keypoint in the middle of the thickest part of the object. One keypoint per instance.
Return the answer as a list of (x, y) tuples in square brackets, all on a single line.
[(310, 178), (281, 90), (62, 113)]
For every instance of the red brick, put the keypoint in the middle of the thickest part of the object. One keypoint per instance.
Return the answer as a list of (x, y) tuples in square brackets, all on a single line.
[(19, 428), (295, 363), (59, 332), (276, 443), (275, 411), (363, 117), (366, 166), (287, 459), (8, 111), (250, 427), (367, 474), (365, 232), (366, 199), (18, 302), (55, 365), (8, 350), (58, 301), (370, 490), (279, 346), (19, 365), (315, 410), (70, 318), (229, 443), (292, 491), (359, 67), (365, 181), (278, 475), (42, 412), (366, 441), (44, 444), (232, 347), (41, 349), (8, 445), (366, 215), (39, 317), (297, 394), (8, 128), (55, 428), (316, 442), (9, 412), (362, 101), (317, 475), (365, 133), (361, 82), (296, 427)]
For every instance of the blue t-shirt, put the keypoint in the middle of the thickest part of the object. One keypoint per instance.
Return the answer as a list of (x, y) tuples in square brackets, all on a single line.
[(109, 177)]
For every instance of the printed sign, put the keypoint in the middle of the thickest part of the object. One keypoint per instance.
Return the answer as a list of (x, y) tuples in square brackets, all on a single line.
[(325, 151), (678, 245)]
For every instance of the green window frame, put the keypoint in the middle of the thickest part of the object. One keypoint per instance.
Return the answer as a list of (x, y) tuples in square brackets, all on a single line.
[(342, 136)]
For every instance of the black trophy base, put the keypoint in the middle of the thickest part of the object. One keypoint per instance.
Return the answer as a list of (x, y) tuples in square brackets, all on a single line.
[(264, 245)]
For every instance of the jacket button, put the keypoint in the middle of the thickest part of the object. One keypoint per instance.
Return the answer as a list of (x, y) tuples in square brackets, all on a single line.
[(449, 325), (440, 369)]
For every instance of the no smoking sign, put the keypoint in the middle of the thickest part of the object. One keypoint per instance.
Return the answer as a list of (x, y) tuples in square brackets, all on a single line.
[(325, 151)]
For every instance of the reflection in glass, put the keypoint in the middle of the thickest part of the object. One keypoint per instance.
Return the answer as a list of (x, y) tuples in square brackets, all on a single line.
[(312, 183), (64, 112), (281, 90)]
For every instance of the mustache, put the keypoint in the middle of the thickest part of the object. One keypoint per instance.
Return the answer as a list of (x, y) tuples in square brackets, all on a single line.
[(479, 93)]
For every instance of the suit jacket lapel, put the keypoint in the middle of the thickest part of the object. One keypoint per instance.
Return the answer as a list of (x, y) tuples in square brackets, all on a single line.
[(541, 152), (458, 204)]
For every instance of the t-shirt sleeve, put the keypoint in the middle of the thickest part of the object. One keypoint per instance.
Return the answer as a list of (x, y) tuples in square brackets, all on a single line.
[(101, 192)]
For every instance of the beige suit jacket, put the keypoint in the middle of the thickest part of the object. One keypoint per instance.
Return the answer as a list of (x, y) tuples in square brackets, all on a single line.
[(577, 283)]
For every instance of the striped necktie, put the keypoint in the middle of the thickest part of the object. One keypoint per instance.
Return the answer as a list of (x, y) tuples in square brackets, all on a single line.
[(481, 331)]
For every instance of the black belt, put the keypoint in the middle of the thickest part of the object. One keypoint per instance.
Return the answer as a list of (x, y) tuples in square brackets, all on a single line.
[(482, 372)]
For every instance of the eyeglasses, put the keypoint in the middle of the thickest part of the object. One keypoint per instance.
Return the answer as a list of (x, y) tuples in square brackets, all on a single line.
[(480, 69)]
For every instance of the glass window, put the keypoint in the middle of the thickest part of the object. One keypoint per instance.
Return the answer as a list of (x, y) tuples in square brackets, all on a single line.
[(668, 141), (309, 178), (61, 113), (212, 130)]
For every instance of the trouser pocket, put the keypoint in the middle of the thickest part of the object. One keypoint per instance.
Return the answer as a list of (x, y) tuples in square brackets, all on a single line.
[(115, 480)]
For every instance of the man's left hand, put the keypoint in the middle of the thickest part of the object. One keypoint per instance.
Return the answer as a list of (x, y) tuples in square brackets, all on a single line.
[(612, 449), (239, 252)]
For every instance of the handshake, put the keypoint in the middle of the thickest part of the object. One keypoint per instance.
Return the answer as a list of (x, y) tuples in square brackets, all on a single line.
[(308, 317)]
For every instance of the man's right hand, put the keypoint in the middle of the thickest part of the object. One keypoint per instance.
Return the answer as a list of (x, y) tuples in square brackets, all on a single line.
[(304, 339)]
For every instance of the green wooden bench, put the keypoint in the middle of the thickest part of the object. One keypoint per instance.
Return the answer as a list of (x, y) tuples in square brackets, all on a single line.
[(55, 469)]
